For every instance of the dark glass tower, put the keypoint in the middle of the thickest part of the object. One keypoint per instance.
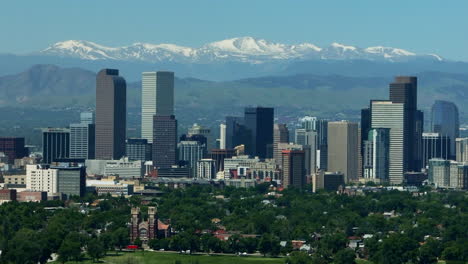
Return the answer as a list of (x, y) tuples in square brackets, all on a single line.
[(236, 132), (111, 113), (164, 141), (259, 121), (13, 147), (445, 121), (55, 144), (405, 90)]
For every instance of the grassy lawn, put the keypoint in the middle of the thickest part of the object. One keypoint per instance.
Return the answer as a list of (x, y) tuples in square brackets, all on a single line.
[(171, 258)]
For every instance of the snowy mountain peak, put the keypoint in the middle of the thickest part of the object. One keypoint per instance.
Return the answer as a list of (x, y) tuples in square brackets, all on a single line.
[(342, 47), (241, 49)]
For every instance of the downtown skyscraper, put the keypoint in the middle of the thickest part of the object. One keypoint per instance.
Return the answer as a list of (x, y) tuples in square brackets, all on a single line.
[(111, 115), (343, 149), (390, 115), (404, 90), (445, 121), (157, 98), (259, 121), (164, 141)]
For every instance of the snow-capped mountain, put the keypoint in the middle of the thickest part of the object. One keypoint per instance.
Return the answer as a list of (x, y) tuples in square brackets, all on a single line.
[(244, 49)]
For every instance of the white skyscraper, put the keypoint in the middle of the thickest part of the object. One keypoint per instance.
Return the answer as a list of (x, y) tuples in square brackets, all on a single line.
[(157, 98), (222, 136), (386, 114)]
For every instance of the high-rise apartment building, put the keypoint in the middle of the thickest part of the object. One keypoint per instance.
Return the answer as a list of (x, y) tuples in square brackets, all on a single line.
[(157, 98), (404, 90), (343, 150), (259, 121), (390, 115), (280, 135), (55, 144), (164, 141), (293, 166), (445, 121), (13, 147), (111, 114)]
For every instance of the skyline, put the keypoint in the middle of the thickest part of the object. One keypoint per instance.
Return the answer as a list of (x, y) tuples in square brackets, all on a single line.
[(363, 24)]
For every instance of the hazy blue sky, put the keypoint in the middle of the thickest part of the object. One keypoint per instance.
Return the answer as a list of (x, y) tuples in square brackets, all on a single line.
[(423, 26)]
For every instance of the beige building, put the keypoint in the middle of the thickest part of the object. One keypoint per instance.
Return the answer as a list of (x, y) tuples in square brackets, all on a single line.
[(14, 179), (343, 149)]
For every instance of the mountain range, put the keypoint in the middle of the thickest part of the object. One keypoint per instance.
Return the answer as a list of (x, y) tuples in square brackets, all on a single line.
[(233, 59), (243, 49)]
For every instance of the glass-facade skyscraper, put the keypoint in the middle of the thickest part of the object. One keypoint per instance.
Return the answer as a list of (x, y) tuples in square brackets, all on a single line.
[(157, 98), (445, 121), (404, 90), (259, 121), (111, 115)]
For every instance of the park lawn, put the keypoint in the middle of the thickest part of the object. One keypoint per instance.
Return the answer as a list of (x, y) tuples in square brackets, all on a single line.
[(171, 258)]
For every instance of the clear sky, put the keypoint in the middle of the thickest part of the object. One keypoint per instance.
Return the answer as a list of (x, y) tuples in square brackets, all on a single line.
[(422, 26)]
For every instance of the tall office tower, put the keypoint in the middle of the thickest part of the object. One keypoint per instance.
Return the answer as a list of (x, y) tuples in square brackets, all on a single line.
[(435, 145), (365, 123), (222, 136), (343, 149), (259, 120), (157, 98), (387, 114), (293, 168), (280, 135), (138, 149), (82, 137), (55, 144), (445, 121), (164, 141), (404, 90), (111, 115), (376, 155), (87, 118), (462, 149), (191, 152), (13, 147), (308, 139), (321, 127), (365, 128)]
